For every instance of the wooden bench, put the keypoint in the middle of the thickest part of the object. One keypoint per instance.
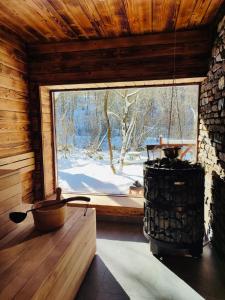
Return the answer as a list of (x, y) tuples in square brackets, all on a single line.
[(51, 265), (10, 198), (42, 266)]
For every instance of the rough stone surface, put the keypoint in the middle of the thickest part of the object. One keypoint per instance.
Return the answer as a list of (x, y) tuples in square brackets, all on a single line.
[(212, 137), (221, 83)]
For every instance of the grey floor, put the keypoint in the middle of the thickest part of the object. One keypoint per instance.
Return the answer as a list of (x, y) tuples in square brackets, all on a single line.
[(124, 268)]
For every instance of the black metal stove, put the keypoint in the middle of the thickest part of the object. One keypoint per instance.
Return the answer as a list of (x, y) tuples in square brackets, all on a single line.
[(174, 206)]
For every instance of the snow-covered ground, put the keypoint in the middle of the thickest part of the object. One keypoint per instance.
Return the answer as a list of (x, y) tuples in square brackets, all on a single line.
[(80, 173), (84, 174)]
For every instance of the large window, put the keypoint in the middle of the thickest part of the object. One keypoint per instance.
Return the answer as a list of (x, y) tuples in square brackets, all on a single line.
[(102, 134)]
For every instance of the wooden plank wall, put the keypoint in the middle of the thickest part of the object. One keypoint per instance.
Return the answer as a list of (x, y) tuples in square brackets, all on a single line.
[(35, 110), (15, 127), (47, 142), (148, 57), (10, 199)]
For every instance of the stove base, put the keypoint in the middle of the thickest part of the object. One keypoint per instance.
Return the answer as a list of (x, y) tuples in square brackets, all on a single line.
[(160, 248)]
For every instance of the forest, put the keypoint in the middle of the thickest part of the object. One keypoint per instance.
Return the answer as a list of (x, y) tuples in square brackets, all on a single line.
[(113, 126)]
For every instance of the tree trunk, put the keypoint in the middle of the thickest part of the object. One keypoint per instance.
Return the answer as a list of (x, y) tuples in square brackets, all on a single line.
[(125, 143), (126, 128), (108, 131)]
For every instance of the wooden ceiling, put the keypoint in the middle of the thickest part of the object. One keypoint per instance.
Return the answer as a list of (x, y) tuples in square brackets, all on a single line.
[(64, 20)]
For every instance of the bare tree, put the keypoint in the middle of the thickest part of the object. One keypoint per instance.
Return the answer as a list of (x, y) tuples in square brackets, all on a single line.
[(65, 106), (108, 131), (127, 120)]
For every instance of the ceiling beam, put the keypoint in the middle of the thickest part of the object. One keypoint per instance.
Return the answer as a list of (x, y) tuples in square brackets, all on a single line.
[(149, 57), (124, 42)]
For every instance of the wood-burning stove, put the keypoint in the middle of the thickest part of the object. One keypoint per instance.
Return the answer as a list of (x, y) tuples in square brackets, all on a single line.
[(174, 206)]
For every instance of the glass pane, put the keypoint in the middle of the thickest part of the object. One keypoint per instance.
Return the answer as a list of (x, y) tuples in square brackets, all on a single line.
[(102, 134)]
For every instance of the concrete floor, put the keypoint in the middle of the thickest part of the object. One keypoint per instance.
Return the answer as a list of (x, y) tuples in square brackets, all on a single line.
[(124, 268)]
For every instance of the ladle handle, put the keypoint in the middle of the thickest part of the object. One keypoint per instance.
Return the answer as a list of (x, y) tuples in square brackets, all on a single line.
[(77, 198), (58, 193), (64, 201)]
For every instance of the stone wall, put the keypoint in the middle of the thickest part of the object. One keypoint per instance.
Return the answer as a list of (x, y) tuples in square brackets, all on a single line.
[(212, 138)]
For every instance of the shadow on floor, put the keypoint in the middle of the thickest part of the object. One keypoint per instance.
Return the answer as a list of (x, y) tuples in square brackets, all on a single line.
[(100, 284), (124, 268), (205, 275), (121, 231)]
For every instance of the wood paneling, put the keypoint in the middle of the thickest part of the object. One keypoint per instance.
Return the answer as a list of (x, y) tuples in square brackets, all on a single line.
[(35, 110), (47, 142), (128, 42), (113, 53), (21, 162), (141, 58), (122, 59), (75, 61), (64, 20), (25, 164), (10, 198), (15, 127)]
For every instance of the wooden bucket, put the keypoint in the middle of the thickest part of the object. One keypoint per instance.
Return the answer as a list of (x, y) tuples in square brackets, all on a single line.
[(49, 218)]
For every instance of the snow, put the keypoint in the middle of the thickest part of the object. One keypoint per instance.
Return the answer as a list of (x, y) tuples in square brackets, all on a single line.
[(82, 174)]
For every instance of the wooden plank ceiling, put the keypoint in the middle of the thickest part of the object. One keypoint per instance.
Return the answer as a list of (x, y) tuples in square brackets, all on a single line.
[(64, 20)]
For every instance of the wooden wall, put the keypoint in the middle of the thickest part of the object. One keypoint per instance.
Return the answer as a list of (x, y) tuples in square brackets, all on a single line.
[(48, 147), (148, 57), (15, 127)]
